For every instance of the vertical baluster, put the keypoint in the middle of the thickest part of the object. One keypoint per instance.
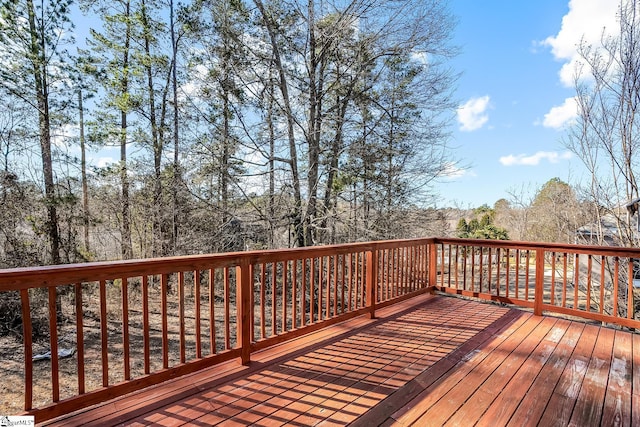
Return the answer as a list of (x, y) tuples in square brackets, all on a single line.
[(498, 265), (312, 262), (602, 283), (328, 285), (213, 346), (616, 271), (183, 346), (481, 270), (564, 279), (589, 267), (165, 330), (263, 300), (227, 308), (303, 293), (53, 343), (294, 294), (125, 328), (517, 272), (196, 291), (284, 295), (274, 292), (527, 266), (252, 302), (489, 269), (103, 333), (145, 324), (349, 281), (336, 262), (630, 303), (576, 281), (456, 266), (79, 337), (27, 333), (473, 268), (552, 298), (508, 272), (358, 287)]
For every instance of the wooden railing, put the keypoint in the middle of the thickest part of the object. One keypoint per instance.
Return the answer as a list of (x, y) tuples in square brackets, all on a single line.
[(132, 324), (591, 282), (135, 323)]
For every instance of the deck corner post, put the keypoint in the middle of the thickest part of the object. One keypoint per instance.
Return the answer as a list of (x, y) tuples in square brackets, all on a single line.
[(372, 280), (244, 318), (433, 265), (539, 293)]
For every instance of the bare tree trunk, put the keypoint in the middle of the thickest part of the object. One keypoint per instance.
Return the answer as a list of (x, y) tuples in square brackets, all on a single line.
[(176, 136), (125, 243), (293, 156), (83, 172), (42, 95)]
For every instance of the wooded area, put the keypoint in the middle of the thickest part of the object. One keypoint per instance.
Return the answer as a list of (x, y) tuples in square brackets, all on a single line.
[(239, 125)]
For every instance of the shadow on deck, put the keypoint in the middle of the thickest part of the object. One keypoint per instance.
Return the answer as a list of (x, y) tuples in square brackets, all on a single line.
[(430, 360)]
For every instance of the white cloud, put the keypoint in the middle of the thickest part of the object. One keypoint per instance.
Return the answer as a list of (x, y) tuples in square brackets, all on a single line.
[(585, 21), (105, 161), (472, 115), (563, 115), (535, 159)]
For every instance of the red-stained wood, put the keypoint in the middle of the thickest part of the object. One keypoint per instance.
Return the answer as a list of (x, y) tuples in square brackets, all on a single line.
[(539, 283), (630, 303), (197, 308), (589, 278), (616, 276), (294, 295), (181, 320), (164, 289), (537, 396), (565, 276), (285, 286), (212, 313), (145, 325), (244, 309), (526, 275), (371, 281), (79, 337), (350, 284), (576, 281), (28, 348), (312, 278), (617, 402), (303, 294), (602, 281), (104, 333), (552, 296), (124, 293), (53, 343), (263, 300), (572, 398), (336, 262), (227, 308)]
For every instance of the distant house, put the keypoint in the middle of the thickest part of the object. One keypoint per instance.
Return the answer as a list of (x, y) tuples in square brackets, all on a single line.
[(588, 234)]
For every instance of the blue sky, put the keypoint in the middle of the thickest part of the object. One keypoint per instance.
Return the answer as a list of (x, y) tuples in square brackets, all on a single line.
[(515, 94)]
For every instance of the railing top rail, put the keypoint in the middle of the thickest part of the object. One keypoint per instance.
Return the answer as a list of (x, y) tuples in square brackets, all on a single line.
[(54, 275), (619, 251)]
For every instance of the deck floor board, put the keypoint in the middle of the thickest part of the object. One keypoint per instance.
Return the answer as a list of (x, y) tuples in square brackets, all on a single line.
[(431, 360)]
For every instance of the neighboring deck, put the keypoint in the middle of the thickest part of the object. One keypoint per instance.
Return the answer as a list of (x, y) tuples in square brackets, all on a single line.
[(430, 360)]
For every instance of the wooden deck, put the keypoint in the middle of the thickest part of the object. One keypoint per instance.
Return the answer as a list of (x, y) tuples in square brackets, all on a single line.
[(431, 360)]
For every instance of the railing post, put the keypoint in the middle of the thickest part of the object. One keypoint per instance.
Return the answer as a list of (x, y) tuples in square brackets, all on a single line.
[(244, 319), (372, 281), (539, 294), (433, 264)]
